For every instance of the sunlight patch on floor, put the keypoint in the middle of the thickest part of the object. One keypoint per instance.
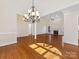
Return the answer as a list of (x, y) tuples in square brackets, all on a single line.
[(33, 46), (40, 50), (50, 55), (56, 51), (46, 51), (41, 44)]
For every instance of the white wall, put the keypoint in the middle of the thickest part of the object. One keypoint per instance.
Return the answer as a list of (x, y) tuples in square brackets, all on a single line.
[(42, 26), (56, 21), (58, 24), (8, 30), (23, 27), (71, 27), (25, 30)]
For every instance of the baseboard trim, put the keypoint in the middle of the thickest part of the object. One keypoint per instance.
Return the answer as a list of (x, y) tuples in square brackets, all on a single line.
[(30, 35), (8, 38), (8, 43), (71, 45)]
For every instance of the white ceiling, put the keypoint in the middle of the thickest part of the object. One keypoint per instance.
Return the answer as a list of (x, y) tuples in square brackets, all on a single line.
[(54, 16), (61, 12), (44, 6), (74, 8)]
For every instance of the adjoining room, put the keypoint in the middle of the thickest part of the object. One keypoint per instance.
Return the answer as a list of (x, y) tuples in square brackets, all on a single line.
[(39, 29)]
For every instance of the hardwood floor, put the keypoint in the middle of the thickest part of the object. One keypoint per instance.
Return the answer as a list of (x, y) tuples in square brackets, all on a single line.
[(26, 48)]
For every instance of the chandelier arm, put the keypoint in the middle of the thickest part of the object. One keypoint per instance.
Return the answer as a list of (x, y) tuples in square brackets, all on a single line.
[(33, 15)]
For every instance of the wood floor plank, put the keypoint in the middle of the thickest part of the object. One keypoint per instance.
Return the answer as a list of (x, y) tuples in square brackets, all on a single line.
[(26, 48)]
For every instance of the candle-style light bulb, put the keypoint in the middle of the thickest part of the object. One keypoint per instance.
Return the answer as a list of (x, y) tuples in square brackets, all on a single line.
[(29, 10), (26, 16), (33, 13), (37, 13)]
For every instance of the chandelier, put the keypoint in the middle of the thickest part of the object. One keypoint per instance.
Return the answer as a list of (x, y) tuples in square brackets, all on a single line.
[(33, 15)]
